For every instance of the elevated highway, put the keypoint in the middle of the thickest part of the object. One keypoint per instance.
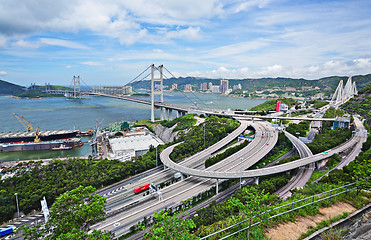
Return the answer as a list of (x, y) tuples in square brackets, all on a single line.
[(257, 172), (304, 173)]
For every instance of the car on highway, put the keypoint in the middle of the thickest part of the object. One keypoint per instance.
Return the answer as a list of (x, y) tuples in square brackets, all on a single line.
[(141, 188)]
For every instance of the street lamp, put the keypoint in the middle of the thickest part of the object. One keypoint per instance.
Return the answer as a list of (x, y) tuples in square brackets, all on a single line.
[(241, 174), (204, 133), (156, 156), (16, 198)]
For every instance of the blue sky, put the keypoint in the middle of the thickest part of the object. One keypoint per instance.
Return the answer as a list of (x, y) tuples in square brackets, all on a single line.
[(110, 42)]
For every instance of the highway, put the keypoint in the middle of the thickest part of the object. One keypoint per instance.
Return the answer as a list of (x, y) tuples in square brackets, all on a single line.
[(192, 186), (258, 172), (354, 153), (304, 173), (123, 193)]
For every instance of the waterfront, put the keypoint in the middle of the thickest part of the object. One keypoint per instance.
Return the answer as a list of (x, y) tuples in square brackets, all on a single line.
[(59, 113)]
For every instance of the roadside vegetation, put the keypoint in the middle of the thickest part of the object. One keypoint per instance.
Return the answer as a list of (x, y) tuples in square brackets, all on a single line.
[(184, 122), (317, 103), (71, 216)]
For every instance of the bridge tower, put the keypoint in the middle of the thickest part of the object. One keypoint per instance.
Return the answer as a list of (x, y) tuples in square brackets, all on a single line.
[(344, 93), (337, 98), (153, 92), (76, 86)]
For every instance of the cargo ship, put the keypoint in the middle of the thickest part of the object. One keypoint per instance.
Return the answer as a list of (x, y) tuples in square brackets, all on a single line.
[(18, 137), (42, 145)]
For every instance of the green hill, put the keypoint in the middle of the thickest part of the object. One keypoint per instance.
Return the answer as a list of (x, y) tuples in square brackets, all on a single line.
[(7, 88), (326, 85)]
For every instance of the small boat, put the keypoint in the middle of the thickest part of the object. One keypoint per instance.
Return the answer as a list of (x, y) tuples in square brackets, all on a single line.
[(61, 147)]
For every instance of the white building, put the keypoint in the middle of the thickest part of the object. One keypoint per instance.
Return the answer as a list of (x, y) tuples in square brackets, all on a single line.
[(132, 146)]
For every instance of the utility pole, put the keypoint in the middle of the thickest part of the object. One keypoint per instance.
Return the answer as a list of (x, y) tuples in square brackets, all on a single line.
[(16, 198), (156, 156)]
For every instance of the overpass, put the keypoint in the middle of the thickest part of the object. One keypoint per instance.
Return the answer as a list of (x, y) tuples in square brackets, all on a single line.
[(164, 156)]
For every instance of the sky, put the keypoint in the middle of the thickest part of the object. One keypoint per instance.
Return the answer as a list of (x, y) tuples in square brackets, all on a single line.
[(110, 42)]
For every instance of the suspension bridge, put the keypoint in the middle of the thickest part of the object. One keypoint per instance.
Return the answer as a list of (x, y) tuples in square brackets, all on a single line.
[(170, 111)]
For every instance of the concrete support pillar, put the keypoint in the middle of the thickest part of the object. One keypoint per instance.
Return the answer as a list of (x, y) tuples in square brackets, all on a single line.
[(217, 186), (170, 116), (162, 117), (256, 180), (177, 114)]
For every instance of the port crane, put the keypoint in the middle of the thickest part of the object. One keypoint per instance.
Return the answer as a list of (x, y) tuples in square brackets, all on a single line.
[(28, 126)]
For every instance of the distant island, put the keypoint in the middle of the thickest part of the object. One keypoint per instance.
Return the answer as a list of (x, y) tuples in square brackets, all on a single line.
[(32, 92)]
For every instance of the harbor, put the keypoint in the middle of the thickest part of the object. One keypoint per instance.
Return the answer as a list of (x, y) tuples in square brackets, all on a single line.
[(82, 116)]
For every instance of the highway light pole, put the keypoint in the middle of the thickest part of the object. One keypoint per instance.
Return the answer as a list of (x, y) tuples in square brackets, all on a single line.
[(241, 173), (204, 133), (156, 156), (16, 198)]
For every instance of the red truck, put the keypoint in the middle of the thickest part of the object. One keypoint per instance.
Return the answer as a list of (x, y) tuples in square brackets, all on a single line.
[(141, 188)]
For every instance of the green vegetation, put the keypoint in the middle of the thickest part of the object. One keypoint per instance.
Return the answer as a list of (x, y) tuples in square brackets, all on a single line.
[(300, 129), (329, 139), (71, 216), (360, 104), (184, 122), (36, 94), (170, 227), (318, 103), (202, 136), (271, 104), (7, 88), (211, 161), (298, 113)]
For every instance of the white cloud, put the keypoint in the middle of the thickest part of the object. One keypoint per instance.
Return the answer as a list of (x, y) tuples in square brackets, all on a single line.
[(3, 41), (363, 62), (62, 43), (68, 66), (190, 33), (24, 44), (2, 73), (91, 63)]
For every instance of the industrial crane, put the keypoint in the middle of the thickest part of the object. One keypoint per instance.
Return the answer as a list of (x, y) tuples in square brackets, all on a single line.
[(25, 123), (28, 126)]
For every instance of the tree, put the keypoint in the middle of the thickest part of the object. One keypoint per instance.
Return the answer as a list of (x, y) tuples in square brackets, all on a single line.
[(171, 227), (71, 216), (362, 171)]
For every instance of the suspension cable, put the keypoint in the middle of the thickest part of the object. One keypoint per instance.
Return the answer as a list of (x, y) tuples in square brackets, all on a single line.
[(191, 91), (139, 76)]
